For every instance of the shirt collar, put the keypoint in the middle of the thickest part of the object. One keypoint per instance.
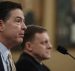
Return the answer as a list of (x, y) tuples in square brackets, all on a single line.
[(4, 51)]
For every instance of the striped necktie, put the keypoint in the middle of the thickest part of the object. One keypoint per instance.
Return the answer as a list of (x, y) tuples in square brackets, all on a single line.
[(11, 63)]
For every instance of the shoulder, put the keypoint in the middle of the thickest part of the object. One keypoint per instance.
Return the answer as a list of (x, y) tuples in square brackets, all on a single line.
[(46, 68), (24, 63)]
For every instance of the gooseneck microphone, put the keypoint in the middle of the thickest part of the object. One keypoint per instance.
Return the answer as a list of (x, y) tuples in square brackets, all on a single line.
[(63, 50)]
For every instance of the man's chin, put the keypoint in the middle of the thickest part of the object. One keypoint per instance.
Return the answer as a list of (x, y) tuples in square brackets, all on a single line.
[(48, 57), (20, 40)]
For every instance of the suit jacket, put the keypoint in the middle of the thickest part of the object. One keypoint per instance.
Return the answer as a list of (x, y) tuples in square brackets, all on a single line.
[(1, 64), (28, 63)]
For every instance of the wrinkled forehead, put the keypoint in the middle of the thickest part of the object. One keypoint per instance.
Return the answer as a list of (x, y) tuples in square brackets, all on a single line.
[(16, 13)]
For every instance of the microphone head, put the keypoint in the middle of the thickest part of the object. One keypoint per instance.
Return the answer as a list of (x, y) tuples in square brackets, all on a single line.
[(62, 50)]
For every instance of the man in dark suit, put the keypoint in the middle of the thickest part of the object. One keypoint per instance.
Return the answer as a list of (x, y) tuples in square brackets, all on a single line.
[(12, 29), (36, 48)]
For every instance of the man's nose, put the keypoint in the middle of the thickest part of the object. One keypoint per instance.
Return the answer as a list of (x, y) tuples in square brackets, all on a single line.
[(50, 46), (24, 27)]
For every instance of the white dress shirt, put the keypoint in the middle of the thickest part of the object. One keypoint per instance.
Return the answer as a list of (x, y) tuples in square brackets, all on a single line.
[(4, 55)]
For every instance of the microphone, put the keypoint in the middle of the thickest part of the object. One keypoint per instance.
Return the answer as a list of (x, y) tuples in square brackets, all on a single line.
[(64, 51)]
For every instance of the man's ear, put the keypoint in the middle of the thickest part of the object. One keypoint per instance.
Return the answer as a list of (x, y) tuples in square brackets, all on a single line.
[(28, 46), (1, 25)]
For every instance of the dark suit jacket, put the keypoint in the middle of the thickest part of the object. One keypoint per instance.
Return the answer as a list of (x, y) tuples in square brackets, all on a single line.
[(28, 63), (1, 64)]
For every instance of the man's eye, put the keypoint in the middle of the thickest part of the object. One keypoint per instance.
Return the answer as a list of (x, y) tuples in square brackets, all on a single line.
[(18, 20), (46, 41), (42, 42)]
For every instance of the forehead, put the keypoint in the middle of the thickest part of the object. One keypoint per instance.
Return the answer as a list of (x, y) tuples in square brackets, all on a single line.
[(16, 13), (42, 36)]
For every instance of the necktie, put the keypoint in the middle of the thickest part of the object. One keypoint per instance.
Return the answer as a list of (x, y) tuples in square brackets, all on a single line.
[(11, 63)]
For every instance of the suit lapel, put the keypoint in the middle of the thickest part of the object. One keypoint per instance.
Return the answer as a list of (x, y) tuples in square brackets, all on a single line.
[(1, 64)]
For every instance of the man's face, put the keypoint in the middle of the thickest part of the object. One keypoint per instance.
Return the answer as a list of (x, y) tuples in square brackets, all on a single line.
[(14, 27), (41, 46)]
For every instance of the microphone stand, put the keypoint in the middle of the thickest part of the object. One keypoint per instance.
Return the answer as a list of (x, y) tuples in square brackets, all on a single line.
[(71, 56), (64, 51)]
